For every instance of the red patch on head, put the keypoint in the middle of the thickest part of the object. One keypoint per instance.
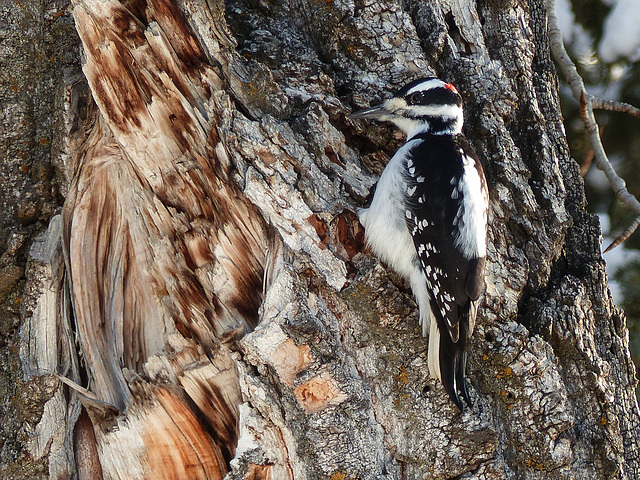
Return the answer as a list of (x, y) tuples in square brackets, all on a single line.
[(451, 87)]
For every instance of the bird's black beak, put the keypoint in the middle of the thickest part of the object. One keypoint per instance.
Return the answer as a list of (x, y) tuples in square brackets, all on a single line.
[(379, 112)]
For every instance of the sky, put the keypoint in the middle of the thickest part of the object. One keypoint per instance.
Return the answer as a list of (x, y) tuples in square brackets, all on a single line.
[(621, 38)]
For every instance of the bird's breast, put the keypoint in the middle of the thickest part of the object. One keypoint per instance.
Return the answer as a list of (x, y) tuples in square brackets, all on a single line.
[(384, 221)]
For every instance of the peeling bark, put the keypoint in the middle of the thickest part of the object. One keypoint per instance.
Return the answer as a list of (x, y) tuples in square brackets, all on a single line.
[(206, 297)]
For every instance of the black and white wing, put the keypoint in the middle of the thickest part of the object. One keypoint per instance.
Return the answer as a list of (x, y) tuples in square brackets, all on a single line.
[(446, 214)]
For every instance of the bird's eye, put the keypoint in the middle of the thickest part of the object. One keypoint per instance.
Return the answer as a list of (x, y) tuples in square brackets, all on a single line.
[(416, 98)]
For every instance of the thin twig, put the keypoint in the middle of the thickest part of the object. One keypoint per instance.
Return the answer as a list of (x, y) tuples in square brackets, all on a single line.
[(587, 104), (601, 104), (624, 235), (586, 163)]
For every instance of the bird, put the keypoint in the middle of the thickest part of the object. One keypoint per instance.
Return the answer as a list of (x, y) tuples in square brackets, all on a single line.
[(428, 221)]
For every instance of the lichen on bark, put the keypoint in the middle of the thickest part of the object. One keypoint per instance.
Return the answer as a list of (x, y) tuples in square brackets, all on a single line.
[(334, 379), (39, 57), (543, 245)]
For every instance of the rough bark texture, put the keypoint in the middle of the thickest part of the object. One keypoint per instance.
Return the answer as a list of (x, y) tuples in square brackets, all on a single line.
[(38, 55), (211, 179)]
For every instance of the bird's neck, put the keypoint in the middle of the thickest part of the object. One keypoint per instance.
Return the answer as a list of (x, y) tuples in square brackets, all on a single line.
[(438, 126), (434, 126)]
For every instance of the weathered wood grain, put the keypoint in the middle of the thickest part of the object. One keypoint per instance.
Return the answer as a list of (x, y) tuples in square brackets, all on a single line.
[(164, 255), (216, 298)]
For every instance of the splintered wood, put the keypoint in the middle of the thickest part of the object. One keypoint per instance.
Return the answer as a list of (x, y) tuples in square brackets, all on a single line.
[(212, 311), (165, 256)]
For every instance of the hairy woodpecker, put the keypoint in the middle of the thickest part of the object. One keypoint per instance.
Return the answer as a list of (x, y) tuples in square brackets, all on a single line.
[(428, 220)]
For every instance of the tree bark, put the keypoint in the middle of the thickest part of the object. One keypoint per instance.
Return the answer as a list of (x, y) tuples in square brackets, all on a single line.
[(204, 305)]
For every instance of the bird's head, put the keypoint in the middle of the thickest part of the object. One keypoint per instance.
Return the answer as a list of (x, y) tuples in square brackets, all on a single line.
[(424, 105)]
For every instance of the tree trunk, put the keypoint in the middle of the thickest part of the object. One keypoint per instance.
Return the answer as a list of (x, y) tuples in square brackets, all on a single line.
[(204, 305)]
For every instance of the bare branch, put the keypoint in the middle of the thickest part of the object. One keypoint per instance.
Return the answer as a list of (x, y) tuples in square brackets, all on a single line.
[(624, 235), (601, 104), (587, 104)]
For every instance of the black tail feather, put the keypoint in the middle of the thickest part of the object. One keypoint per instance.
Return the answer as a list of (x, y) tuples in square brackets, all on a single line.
[(453, 360), (461, 381), (448, 369)]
